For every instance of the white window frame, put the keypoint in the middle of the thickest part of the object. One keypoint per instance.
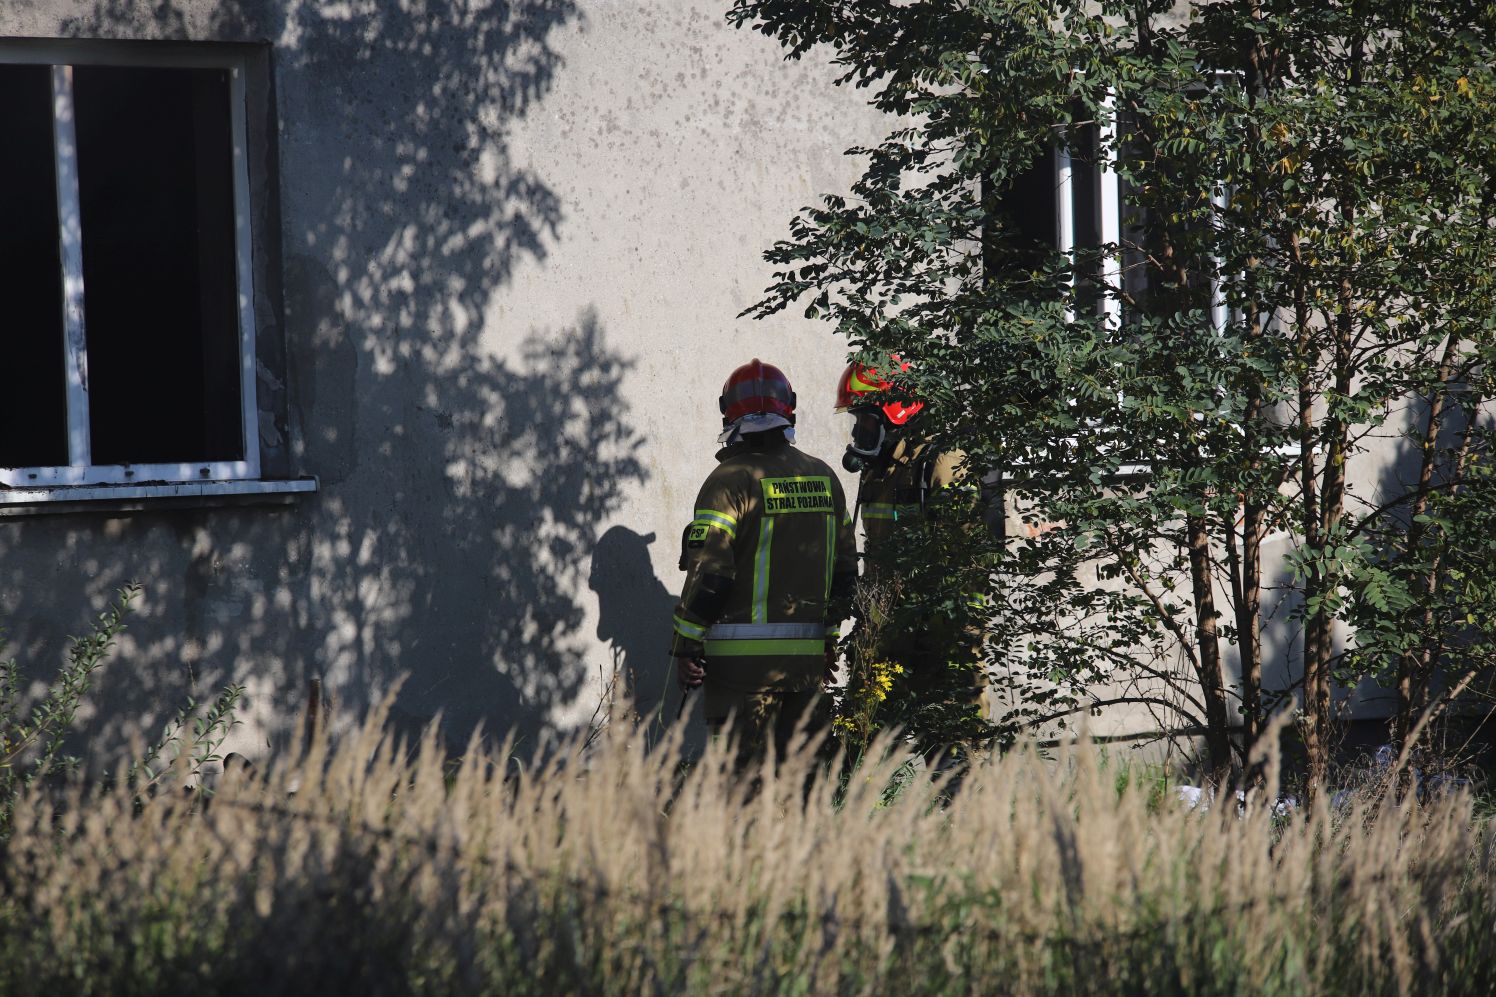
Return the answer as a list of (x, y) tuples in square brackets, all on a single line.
[(80, 469), (1064, 216), (1109, 210), (1108, 207), (1109, 230)]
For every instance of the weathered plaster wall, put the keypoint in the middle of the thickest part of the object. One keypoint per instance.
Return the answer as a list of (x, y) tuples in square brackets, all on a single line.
[(513, 242), (514, 239)]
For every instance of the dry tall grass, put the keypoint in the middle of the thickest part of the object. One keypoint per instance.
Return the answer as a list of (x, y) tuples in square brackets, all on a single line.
[(389, 873)]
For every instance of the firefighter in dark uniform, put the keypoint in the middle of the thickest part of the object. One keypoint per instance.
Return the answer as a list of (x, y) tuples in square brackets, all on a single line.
[(900, 476), (770, 570)]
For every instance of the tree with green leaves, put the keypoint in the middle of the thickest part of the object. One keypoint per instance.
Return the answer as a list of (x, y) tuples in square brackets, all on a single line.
[(1207, 289)]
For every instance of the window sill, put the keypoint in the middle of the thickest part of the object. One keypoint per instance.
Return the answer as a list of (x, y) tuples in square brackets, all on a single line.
[(1017, 475), (1134, 471), (134, 498)]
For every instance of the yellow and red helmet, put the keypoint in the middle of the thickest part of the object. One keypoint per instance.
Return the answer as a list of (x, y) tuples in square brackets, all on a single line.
[(757, 387), (859, 379)]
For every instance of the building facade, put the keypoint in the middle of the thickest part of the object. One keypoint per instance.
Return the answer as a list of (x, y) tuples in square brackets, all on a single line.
[(384, 338), (381, 339)]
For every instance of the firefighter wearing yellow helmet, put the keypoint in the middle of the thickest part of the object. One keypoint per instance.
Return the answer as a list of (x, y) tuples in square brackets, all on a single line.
[(900, 473), (770, 569)]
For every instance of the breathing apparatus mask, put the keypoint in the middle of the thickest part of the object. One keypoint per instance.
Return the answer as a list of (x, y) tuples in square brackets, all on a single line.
[(870, 438)]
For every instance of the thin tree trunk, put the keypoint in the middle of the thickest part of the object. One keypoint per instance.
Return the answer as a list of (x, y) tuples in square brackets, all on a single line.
[(1249, 625), (1319, 626), (1248, 573), (1412, 665), (1208, 641), (1436, 569), (1307, 361), (1320, 622)]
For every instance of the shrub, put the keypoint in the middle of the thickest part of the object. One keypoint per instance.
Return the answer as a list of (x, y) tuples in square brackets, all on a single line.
[(32, 738)]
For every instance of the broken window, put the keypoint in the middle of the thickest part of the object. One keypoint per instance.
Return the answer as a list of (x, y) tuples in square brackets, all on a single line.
[(125, 274)]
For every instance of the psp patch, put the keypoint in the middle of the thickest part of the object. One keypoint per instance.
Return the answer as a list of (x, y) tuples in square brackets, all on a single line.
[(809, 493), (696, 535)]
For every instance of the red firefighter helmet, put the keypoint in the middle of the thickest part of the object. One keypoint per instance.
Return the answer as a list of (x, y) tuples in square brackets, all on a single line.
[(756, 387), (860, 379)]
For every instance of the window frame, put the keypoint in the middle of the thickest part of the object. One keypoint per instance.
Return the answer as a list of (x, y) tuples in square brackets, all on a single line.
[(1108, 208), (72, 481)]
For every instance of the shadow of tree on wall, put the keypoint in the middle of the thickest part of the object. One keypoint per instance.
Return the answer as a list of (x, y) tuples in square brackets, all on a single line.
[(466, 466), (536, 455)]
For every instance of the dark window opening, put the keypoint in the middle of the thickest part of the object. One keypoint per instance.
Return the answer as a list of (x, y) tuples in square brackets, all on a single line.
[(155, 181), (1085, 185), (33, 386), (1029, 212), (1140, 240)]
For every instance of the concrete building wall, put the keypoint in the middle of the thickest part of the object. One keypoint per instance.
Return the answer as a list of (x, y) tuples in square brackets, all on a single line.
[(513, 240), (501, 247)]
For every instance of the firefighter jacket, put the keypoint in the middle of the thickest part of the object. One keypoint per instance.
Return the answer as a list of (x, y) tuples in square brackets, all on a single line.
[(770, 561), (892, 495), (898, 489)]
